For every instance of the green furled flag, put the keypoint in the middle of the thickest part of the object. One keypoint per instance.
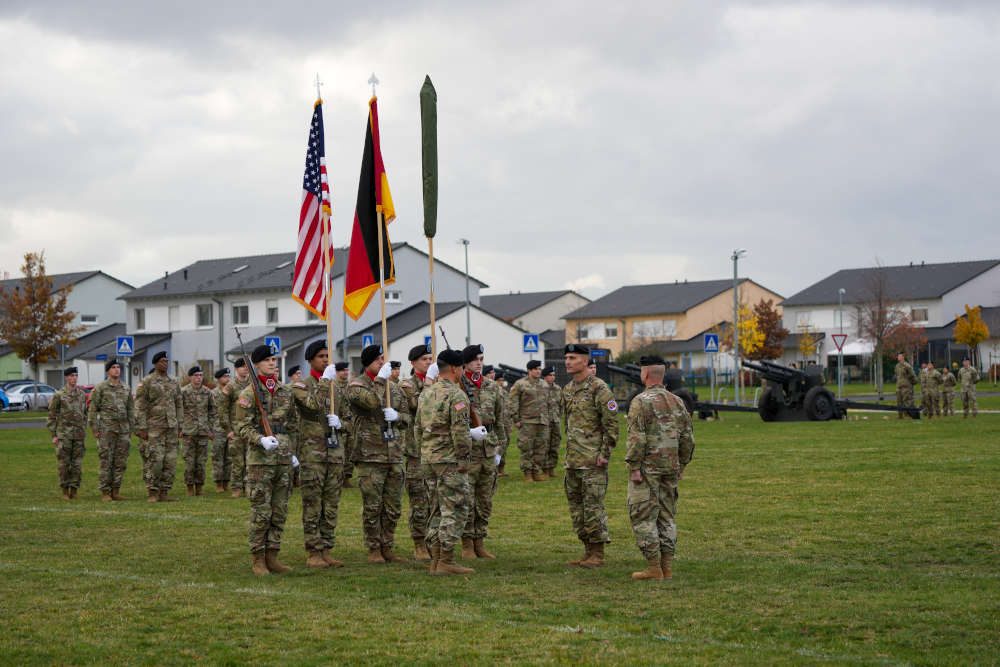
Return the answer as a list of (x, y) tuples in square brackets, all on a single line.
[(429, 140)]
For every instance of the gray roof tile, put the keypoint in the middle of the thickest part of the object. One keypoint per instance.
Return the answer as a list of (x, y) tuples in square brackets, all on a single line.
[(659, 299), (510, 306)]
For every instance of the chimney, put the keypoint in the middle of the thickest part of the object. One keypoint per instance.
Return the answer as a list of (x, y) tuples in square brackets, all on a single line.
[(166, 274), (921, 262), (185, 274)]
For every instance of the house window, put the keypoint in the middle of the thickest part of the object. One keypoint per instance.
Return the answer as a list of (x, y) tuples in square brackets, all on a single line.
[(140, 319), (803, 319), (241, 314), (393, 296), (174, 317), (918, 314), (88, 319), (592, 331), (205, 314), (272, 312), (610, 330), (654, 329)]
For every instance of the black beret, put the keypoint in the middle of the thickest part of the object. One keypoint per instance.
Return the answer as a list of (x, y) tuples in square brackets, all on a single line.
[(314, 348), (487, 369), (370, 354), (341, 365), (293, 370), (471, 352), (193, 370), (551, 370), (651, 360), (220, 373), (534, 363), (395, 364), (576, 348), (111, 362), (449, 357), (240, 363), (70, 371), (418, 351), (159, 355), (260, 353)]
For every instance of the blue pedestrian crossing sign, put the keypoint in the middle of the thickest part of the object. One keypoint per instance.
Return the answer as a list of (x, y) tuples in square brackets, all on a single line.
[(125, 347), (427, 340), (711, 342), (366, 340), (273, 342), (529, 343)]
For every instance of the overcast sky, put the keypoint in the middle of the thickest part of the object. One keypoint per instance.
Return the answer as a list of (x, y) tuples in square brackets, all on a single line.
[(583, 145)]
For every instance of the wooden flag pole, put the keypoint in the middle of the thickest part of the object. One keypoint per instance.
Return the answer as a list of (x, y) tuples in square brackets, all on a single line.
[(328, 288), (381, 292), (430, 254)]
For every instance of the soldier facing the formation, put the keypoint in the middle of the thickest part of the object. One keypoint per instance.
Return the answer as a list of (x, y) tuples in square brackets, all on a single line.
[(67, 423), (111, 419), (554, 408), (929, 390), (222, 464), (905, 379), (197, 426), (237, 448), (158, 410), (968, 377), (416, 490), (948, 383), (528, 404)]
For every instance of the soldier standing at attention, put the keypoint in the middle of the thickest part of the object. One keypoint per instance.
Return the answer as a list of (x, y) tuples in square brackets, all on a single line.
[(295, 430), (111, 419), (295, 374), (420, 358), (442, 422), (321, 458), (929, 390), (196, 429), (947, 392), (343, 370), (591, 423), (660, 445), (905, 379), (221, 463), (158, 410), (508, 423), (528, 408), (592, 367), (269, 459), (68, 424), (968, 376), (237, 448), (379, 461), (487, 400), (395, 367), (555, 419)]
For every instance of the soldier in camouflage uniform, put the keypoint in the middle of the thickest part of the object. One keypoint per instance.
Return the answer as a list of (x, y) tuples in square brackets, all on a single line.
[(488, 402), (269, 460), (590, 418), (929, 384), (396, 368), (968, 377), (197, 426), (442, 421), (111, 419), (379, 462), (295, 430), (221, 463), (321, 456), (528, 403), (508, 423), (948, 383), (158, 411), (67, 423), (227, 416), (555, 419), (660, 445), (905, 379), (343, 370), (416, 490)]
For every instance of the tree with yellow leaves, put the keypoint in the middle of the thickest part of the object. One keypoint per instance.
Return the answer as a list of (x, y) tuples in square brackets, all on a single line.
[(751, 336), (971, 330), (807, 343)]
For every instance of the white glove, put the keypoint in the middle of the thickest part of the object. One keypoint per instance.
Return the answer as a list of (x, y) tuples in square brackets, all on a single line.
[(433, 371), (330, 372), (479, 433), (390, 414), (385, 371), (295, 461), (333, 421), (496, 459), (269, 442)]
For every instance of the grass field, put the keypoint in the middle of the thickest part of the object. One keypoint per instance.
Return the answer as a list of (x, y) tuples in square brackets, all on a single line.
[(872, 541)]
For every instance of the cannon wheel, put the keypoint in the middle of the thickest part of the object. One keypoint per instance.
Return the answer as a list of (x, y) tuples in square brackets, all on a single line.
[(819, 404), (688, 399), (767, 405)]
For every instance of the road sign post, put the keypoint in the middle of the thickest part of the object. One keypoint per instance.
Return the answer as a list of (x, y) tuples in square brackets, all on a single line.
[(367, 340), (838, 340), (711, 346), (125, 346), (529, 344), (273, 342)]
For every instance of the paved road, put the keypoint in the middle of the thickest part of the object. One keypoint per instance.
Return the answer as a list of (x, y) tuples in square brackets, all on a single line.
[(9, 425)]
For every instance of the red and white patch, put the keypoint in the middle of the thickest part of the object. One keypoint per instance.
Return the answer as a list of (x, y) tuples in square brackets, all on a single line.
[(460, 406), (612, 406)]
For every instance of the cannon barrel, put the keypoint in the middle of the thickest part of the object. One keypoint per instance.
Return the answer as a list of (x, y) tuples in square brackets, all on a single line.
[(775, 372)]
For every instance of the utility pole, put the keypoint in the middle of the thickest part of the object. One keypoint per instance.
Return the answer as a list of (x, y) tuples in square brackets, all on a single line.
[(739, 252), (468, 307)]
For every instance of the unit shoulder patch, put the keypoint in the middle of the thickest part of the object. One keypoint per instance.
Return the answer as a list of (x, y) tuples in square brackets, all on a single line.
[(612, 406), (244, 401)]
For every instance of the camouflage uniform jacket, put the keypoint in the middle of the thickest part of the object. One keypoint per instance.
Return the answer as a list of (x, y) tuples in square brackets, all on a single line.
[(367, 398), (528, 401), (412, 388), (312, 399), (227, 404), (199, 411), (68, 414), (968, 377), (158, 402), (488, 401), (555, 403), (590, 417), (111, 408), (931, 381), (219, 407), (443, 424), (660, 437), (281, 413), (905, 377), (948, 380)]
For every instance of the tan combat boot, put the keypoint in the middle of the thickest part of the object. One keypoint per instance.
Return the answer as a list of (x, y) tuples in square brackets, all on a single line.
[(236, 493), (480, 548), (197, 489), (190, 488), (219, 487), (154, 496), (551, 472), (330, 559), (596, 558), (259, 564), (666, 564), (500, 471), (420, 551), (541, 477), (375, 556), (65, 493), (468, 551), (273, 564), (316, 560), (528, 477), (447, 564), (164, 498), (652, 570), (72, 492), (585, 556), (391, 557), (435, 557), (115, 495)]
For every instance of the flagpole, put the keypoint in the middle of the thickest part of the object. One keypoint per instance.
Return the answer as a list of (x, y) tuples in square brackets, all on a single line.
[(328, 288), (430, 254), (381, 293)]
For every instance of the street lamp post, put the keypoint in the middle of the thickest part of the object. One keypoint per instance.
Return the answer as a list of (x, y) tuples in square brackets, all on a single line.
[(739, 252), (468, 309), (840, 348)]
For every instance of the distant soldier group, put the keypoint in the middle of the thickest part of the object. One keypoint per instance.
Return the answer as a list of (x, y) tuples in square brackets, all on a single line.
[(937, 388)]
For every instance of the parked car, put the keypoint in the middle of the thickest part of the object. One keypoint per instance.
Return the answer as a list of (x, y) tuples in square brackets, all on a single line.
[(4, 401), (22, 396), (7, 385)]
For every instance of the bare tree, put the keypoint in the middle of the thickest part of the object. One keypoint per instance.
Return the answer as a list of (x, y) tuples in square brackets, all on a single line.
[(879, 315)]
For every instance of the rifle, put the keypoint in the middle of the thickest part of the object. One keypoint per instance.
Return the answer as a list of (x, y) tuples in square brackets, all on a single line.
[(265, 424), (473, 417)]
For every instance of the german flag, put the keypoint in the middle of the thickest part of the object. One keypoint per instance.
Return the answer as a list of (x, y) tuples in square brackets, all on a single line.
[(361, 281)]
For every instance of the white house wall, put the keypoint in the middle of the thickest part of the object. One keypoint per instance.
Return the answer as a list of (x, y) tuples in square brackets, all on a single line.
[(549, 315), (983, 290)]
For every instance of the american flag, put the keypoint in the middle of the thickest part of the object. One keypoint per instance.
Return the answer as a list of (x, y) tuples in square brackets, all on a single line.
[(308, 283)]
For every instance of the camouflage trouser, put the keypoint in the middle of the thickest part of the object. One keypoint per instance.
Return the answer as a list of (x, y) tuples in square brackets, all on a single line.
[(195, 453), (552, 451), (929, 402), (159, 459), (222, 464), (69, 453), (381, 486), (416, 490), (321, 484), (450, 503), (947, 402), (585, 491), (238, 461), (348, 442), (969, 398), (533, 441), (269, 487), (652, 506), (904, 397), (482, 484), (112, 454)]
